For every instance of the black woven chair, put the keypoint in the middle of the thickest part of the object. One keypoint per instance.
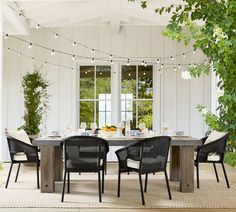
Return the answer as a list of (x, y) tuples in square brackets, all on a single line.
[(21, 152), (145, 156), (85, 154), (217, 148)]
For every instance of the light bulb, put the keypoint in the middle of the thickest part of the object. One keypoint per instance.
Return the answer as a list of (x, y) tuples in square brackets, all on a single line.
[(37, 26), (52, 52), (73, 57), (92, 51), (194, 51), (162, 65), (74, 43), (158, 61), (129, 74), (110, 56), (32, 59), (8, 49), (159, 71), (172, 58), (145, 64), (45, 63), (30, 46), (19, 54), (6, 36), (100, 73), (144, 73), (56, 35), (174, 68), (128, 62), (142, 63), (184, 55), (92, 60), (111, 62), (179, 66), (72, 69), (194, 65)]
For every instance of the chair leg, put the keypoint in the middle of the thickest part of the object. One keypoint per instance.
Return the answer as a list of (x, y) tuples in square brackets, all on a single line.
[(17, 173), (217, 178), (9, 174), (145, 186), (68, 182), (99, 186), (226, 178), (197, 167), (168, 187), (37, 164), (106, 165), (103, 175), (141, 189), (63, 188), (118, 191)]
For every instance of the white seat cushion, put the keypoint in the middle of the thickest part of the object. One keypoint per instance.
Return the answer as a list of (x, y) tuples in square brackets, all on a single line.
[(133, 163), (20, 135), (20, 156), (213, 157), (215, 135)]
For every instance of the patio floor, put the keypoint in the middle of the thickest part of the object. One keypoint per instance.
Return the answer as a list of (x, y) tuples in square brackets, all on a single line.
[(204, 168)]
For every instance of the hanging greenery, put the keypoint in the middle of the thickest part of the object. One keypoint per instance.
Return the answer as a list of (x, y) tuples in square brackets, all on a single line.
[(216, 38), (35, 101)]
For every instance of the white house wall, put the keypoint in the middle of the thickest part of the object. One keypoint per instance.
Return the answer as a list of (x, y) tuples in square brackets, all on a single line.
[(177, 97)]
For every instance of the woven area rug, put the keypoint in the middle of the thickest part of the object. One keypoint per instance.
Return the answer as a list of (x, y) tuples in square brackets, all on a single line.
[(84, 192)]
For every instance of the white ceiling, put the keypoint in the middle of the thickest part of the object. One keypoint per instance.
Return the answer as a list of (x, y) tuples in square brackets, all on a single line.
[(51, 13)]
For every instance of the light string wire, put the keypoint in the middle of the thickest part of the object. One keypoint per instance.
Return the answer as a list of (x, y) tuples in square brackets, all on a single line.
[(88, 47), (45, 62), (77, 56)]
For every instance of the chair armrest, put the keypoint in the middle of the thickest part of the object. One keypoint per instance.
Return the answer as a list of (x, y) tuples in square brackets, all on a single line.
[(204, 140)]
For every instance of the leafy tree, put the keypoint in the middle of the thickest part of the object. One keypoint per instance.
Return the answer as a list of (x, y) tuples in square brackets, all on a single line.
[(216, 38), (35, 101)]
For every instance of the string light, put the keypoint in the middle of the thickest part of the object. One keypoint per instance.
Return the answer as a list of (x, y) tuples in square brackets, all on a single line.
[(142, 63), (32, 59), (37, 26), (100, 73), (172, 58), (73, 57), (30, 46), (56, 35), (158, 61), (179, 66), (92, 51), (72, 69), (6, 36), (128, 62), (64, 37), (194, 65), (8, 49), (52, 52), (45, 63), (145, 64), (111, 62), (184, 55), (19, 54), (144, 73), (159, 71), (174, 68), (92, 60), (194, 51), (129, 74), (110, 56), (162, 65), (74, 43)]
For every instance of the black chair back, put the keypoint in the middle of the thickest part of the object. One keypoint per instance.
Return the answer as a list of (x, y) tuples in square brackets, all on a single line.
[(85, 153)]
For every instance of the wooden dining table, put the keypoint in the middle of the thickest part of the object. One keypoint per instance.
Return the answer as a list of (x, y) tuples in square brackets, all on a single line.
[(181, 160)]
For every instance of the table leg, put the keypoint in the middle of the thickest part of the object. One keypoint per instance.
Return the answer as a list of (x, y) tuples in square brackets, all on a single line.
[(58, 163), (47, 164), (175, 163), (187, 169)]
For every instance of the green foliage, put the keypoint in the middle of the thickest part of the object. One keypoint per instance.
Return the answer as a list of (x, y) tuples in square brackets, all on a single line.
[(35, 101), (230, 159), (217, 40)]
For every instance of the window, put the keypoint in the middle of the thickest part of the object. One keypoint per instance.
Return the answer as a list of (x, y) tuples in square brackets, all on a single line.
[(95, 95), (137, 95)]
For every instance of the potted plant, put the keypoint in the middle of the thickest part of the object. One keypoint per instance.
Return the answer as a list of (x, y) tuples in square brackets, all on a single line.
[(35, 101)]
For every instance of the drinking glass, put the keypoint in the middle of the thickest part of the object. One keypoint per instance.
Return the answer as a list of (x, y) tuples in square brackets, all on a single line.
[(121, 126), (142, 126), (93, 126), (83, 125)]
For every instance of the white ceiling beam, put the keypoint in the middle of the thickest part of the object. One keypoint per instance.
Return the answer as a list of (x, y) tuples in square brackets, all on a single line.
[(115, 15), (32, 5), (88, 14), (18, 22)]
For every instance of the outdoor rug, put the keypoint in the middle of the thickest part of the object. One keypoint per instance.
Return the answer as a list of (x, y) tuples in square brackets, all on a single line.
[(84, 192)]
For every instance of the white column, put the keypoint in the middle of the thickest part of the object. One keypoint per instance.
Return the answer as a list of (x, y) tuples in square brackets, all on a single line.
[(1, 84), (115, 94)]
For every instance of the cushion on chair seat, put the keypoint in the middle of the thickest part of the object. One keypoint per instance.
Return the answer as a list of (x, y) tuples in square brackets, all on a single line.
[(20, 156), (83, 163), (20, 135), (214, 135), (133, 163), (213, 157)]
